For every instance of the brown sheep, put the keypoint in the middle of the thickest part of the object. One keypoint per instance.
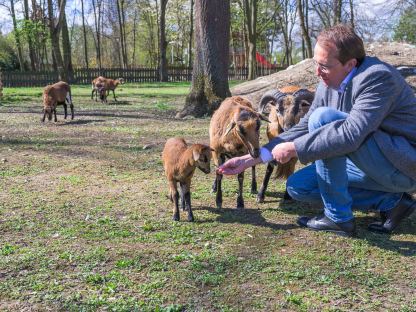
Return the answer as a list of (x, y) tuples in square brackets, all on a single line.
[(234, 131), (56, 94), (109, 85), (112, 84), (290, 104), (95, 84), (179, 162)]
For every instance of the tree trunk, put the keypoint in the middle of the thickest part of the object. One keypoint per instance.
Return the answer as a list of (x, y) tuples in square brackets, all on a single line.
[(84, 35), (133, 57), (352, 13), (32, 56), (66, 49), (163, 70), (54, 33), (121, 21), (97, 20), (191, 33), (337, 11), (250, 10), (17, 37), (210, 72), (305, 34)]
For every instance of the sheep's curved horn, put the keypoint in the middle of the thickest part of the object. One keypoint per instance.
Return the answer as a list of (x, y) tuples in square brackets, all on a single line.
[(272, 96), (304, 94), (264, 118)]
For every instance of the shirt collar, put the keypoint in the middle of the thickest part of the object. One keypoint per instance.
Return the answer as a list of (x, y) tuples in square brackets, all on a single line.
[(346, 80)]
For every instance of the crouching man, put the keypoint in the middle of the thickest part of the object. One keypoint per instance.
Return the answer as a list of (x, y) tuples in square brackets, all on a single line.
[(359, 134)]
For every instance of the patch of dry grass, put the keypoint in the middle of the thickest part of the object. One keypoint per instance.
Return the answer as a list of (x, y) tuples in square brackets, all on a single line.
[(85, 223)]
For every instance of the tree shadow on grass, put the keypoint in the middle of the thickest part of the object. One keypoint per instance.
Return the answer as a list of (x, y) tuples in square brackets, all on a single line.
[(243, 216), (79, 122)]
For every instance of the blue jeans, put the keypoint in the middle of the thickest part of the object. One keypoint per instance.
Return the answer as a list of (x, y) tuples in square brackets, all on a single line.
[(363, 179)]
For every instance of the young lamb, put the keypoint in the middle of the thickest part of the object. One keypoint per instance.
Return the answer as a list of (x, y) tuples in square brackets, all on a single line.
[(57, 94), (95, 84), (179, 162), (234, 131), (290, 104)]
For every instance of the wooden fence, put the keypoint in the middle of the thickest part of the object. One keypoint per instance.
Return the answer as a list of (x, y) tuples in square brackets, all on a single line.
[(85, 76)]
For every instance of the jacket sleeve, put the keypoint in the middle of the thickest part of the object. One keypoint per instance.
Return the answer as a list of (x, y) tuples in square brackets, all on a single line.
[(372, 100)]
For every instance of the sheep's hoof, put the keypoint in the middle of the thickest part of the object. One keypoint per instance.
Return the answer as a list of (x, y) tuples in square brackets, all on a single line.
[(190, 218), (175, 218)]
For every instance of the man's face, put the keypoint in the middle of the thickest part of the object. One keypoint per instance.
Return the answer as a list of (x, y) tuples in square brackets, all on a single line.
[(329, 68)]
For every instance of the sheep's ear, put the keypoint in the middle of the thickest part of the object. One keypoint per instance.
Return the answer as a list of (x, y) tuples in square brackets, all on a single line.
[(230, 127), (196, 155), (212, 150), (264, 118)]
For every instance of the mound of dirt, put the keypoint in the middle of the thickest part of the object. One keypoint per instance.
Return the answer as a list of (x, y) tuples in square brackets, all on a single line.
[(400, 55)]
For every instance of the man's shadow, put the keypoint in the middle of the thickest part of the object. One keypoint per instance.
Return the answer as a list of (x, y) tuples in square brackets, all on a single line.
[(383, 241)]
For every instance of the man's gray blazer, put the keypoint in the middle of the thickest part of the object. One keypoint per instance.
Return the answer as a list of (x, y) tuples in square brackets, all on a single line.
[(379, 103)]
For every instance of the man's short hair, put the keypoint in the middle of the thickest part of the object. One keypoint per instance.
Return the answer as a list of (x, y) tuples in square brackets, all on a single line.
[(348, 44)]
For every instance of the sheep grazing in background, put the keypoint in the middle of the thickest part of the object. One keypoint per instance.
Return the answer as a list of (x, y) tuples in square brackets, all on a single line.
[(56, 94), (101, 91), (97, 83), (234, 131), (180, 161), (109, 85), (289, 105)]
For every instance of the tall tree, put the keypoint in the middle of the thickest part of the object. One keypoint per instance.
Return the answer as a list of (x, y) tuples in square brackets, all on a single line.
[(337, 7), (66, 47), (191, 32), (32, 55), (210, 71), (17, 36), (122, 29), (250, 10), (304, 28), (163, 70), (55, 25), (97, 8), (84, 33)]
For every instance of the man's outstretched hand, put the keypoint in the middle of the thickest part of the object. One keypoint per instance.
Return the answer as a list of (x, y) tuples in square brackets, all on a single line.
[(237, 165)]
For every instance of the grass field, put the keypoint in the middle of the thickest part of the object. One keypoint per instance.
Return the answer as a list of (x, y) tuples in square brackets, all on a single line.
[(85, 223)]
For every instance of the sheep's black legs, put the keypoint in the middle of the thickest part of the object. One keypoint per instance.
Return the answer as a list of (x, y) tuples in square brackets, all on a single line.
[(114, 96), (218, 198), (65, 110), (253, 180), (175, 198), (182, 195), (72, 110), (187, 195), (54, 112), (240, 199), (269, 171)]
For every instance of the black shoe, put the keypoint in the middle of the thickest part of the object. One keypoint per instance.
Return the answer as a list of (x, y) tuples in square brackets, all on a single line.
[(391, 219), (322, 223)]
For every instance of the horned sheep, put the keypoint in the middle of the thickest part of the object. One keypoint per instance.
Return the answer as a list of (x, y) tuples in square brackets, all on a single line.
[(180, 162), (234, 131), (289, 105), (57, 94)]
